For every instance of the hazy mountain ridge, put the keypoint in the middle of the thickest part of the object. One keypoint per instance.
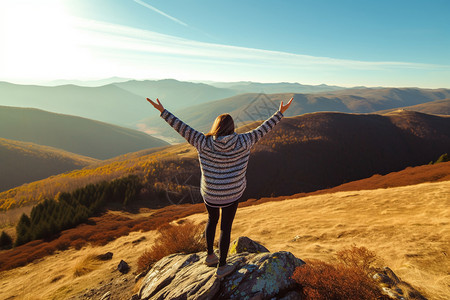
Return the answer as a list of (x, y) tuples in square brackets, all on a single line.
[(179, 93), (437, 107), (244, 87), (23, 162), (107, 103), (74, 134), (252, 107)]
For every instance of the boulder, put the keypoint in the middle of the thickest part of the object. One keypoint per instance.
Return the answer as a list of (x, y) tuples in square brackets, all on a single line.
[(244, 244), (395, 288), (105, 256), (123, 267), (256, 276)]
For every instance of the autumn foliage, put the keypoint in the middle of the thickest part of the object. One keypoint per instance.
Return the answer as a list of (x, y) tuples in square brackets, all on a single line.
[(347, 280), (96, 231)]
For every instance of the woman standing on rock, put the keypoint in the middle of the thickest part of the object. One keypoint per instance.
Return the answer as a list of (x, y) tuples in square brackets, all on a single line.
[(223, 156)]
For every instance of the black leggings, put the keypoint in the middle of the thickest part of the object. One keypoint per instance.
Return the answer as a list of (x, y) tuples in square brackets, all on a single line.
[(228, 214)]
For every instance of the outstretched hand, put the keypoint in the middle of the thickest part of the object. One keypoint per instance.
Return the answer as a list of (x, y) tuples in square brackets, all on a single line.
[(283, 108), (158, 105)]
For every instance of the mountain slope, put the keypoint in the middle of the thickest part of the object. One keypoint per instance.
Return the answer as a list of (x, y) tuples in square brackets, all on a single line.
[(321, 150), (74, 134), (23, 162)]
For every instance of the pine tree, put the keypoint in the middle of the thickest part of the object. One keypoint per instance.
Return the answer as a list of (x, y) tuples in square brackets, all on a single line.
[(5, 241)]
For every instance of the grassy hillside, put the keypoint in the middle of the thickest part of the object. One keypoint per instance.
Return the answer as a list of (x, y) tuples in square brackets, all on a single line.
[(303, 154), (437, 107), (251, 107), (23, 162), (417, 252), (74, 134)]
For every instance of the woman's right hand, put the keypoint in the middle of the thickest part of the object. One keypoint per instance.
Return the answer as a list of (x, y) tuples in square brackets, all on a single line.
[(158, 105)]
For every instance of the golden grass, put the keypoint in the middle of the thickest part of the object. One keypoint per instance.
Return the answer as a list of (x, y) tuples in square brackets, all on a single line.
[(86, 265), (408, 227)]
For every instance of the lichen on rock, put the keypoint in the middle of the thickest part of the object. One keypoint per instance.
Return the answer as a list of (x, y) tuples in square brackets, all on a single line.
[(256, 276)]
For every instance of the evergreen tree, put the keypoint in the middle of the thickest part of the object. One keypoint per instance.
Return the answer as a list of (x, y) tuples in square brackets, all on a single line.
[(5, 241)]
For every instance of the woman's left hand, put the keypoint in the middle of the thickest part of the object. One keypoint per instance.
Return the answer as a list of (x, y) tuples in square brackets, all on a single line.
[(283, 108), (158, 105)]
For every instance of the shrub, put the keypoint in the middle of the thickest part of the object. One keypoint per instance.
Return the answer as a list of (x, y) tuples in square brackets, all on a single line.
[(182, 238), (5, 241), (321, 280), (348, 279), (357, 257)]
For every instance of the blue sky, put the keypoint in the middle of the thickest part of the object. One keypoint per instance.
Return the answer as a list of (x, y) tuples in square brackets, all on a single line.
[(349, 43)]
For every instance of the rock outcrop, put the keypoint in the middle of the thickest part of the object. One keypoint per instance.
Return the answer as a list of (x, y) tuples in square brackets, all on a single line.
[(261, 275), (258, 275)]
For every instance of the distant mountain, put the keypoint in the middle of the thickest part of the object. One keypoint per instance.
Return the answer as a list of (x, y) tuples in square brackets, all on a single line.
[(23, 162), (438, 107), (107, 103), (302, 154), (251, 107), (91, 83), (74, 134), (243, 87), (122, 102), (179, 94)]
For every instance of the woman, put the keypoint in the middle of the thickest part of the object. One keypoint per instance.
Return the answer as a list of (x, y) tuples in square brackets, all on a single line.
[(223, 156)]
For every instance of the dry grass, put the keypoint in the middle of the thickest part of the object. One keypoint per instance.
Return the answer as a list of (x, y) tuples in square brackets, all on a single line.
[(86, 265), (408, 227), (186, 237)]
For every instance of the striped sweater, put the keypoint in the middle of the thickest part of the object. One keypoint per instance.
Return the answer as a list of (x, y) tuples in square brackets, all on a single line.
[(223, 159)]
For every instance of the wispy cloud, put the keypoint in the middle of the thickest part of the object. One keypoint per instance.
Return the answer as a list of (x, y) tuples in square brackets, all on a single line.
[(99, 50), (160, 12)]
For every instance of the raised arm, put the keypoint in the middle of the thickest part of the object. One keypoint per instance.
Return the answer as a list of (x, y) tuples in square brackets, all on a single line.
[(252, 137), (194, 137)]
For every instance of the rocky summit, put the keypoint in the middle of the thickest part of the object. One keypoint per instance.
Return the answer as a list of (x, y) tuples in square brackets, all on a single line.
[(260, 275)]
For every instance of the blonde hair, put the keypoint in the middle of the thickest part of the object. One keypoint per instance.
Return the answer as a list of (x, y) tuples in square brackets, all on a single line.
[(223, 125)]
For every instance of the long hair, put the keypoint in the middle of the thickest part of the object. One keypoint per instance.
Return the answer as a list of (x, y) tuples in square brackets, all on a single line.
[(223, 125)]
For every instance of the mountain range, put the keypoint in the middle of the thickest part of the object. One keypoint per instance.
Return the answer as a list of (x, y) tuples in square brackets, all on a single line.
[(252, 107), (74, 134), (123, 102), (302, 154)]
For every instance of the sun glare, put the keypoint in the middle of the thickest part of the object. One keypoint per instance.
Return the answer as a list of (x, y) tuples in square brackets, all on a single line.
[(37, 38)]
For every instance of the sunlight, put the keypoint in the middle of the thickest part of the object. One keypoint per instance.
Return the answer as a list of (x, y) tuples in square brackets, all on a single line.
[(38, 39)]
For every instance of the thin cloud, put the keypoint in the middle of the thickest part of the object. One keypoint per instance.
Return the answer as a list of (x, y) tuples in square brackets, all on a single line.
[(160, 12)]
